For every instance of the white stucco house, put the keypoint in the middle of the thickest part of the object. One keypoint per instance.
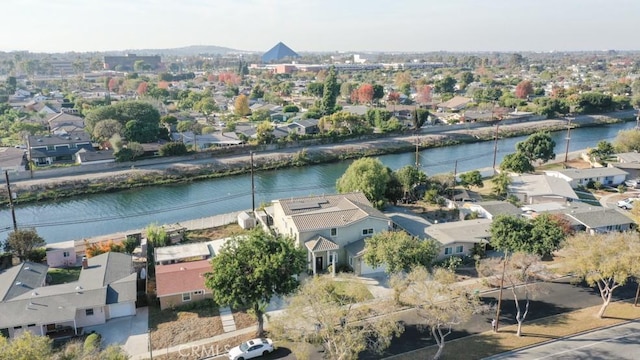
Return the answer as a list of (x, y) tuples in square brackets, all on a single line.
[(607, 176)]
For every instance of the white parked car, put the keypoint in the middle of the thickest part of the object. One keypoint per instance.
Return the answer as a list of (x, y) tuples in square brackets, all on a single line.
[(633, 184), (251, 349), (627, 204)]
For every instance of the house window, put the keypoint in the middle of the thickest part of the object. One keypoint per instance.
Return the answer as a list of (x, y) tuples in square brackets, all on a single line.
[(31, 325), (350, 260), (334, 231), (367, 231), (51, 147), (186, 297), (17, 327), (73, 146), (88, 312), (198, 292), (65, 254), (331, 258), (459, 249), (448, 250)]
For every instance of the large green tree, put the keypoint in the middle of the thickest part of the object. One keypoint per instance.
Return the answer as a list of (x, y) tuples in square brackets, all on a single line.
[(367, 175), (409, 176), (105, 129), (330, 92), (627, 141), (516, 162), (147, 119), (539, 146), (22, 242), (251, 269), (398, 251), (471, 178), (540, 236)]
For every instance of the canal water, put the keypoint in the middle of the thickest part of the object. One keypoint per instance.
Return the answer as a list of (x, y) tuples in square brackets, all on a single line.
[(93, 215)]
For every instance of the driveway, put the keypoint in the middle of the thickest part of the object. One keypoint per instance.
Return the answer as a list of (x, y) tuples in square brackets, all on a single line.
[(131, 332)]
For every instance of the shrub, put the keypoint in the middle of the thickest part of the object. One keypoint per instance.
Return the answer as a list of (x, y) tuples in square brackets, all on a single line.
[(173, 149), (37, 255), (92, 344)]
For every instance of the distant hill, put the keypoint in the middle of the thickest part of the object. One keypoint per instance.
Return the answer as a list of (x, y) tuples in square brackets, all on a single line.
[(189, 51)]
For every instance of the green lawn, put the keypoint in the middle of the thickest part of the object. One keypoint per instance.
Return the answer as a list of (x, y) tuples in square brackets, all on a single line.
[(62, 276)]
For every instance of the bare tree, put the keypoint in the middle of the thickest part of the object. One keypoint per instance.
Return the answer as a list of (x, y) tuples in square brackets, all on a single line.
[(439, 302), (330, 314), (520, 276)]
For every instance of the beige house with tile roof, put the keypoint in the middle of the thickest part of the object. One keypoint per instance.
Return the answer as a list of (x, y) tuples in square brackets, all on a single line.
[(325, 225)]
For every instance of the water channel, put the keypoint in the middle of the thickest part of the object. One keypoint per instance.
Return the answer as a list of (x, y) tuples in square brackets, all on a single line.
[(101, 214)]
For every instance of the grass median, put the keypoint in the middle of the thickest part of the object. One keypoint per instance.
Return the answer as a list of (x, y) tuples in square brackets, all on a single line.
[(534, 332)]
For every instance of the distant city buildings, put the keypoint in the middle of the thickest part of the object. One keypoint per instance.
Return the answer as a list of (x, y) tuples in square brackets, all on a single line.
[(128, 62)]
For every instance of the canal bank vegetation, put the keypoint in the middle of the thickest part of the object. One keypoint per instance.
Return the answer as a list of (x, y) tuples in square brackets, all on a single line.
[(57, 190)]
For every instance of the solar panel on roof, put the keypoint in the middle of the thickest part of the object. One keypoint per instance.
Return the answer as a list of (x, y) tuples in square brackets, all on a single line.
[(304, 205)]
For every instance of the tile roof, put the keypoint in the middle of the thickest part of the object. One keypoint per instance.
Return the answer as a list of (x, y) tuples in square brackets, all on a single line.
[(321, 244), (328, 211), (181, 277)]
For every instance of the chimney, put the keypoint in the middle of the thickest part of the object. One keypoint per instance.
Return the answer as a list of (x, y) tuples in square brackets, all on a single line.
[(85, 262)]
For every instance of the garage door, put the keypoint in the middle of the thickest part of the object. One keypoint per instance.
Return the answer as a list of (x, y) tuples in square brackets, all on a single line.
[(122, 309), (366, 269)]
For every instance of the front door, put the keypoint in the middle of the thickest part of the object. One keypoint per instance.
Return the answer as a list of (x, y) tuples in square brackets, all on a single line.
[(319, 260)]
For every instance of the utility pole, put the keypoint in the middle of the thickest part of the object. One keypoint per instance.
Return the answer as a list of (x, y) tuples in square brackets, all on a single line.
[(417, 154), (635, 302), (253, 188), (13, 211), (504, 268), (566, 151), (455, 174), (29, 158), (495, 147)]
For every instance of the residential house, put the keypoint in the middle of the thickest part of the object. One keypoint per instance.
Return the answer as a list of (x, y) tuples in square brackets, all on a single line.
[(459, 237), (187, 252), (456, 103), (63, 118), (61, 254), (12, 159), (87, 157), (607, 176), (181, 283), (304, 127), (491, 209), (105, 290), (629, 162), (584, 217), (534, 189), (50, 149), (327, 225), (206, 141)]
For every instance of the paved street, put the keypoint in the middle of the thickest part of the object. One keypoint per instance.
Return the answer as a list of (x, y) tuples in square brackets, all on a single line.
[(561, 297), (618, 342)]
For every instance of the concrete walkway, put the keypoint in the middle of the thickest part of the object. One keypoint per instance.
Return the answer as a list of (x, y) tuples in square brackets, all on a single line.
[(228, 324)]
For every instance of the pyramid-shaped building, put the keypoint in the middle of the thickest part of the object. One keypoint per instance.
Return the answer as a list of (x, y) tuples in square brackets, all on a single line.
[(278, 52)]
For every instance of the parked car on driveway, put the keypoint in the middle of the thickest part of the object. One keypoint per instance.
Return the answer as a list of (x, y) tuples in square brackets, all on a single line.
[(632, 184), (627, 204), (251, 349)]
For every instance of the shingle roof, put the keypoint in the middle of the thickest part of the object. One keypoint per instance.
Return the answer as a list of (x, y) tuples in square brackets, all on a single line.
[(181, 277), (590, 173), (541, 185), (460, 231), (20, 279), (499, 207), (109, 278), (328, 211), (600, 217)]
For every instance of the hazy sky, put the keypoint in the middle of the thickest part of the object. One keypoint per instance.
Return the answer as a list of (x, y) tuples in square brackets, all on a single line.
[(321, 25)]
